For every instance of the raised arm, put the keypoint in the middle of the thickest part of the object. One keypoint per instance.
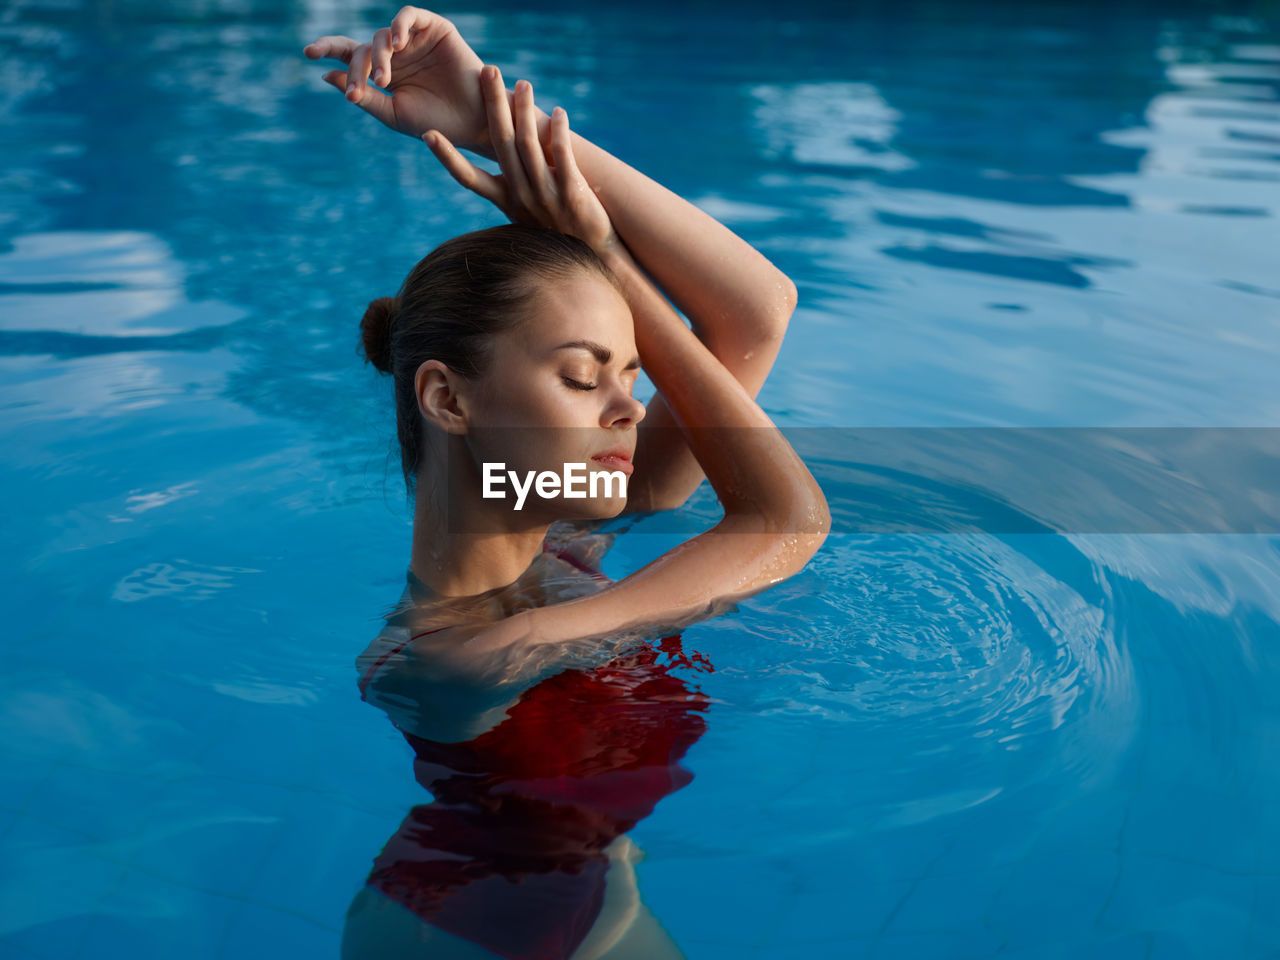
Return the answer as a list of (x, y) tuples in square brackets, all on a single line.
[(736, 300), (775, 514)]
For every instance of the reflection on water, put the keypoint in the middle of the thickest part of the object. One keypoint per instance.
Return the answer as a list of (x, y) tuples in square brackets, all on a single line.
[(988, 216), (531, 803)]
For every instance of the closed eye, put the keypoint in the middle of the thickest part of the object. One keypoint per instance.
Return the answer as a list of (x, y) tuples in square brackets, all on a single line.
[(577, 384)]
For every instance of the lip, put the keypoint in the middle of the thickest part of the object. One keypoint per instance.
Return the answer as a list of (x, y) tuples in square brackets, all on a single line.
[(615, 460)]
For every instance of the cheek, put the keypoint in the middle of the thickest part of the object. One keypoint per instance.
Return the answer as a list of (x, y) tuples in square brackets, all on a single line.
[(526, 449), (523, 403)]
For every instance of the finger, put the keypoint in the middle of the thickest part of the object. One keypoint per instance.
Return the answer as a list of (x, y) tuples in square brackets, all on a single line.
[(569, 176), (465, 172), (374, 101), (529, 147), (414, 20), (358, 73), (334, 48), (502, 134), (574, 186), (381, 44)]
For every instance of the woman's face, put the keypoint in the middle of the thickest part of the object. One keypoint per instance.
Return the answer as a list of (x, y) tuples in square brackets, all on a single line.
[(557, 391)]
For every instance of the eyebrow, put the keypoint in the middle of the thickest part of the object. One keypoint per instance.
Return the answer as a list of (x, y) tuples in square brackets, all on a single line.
[(597, 350)]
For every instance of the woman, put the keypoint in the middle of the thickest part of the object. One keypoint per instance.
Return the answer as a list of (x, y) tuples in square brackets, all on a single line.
[(542, 735)]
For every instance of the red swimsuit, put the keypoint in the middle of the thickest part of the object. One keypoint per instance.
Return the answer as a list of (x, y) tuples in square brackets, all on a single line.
[(510, 855)]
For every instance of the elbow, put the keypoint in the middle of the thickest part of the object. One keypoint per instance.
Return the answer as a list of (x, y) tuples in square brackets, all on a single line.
[(769, 322), (788, 501), (812, 523), (791, 295), (786, 305), (793, 537), (807, 527), (810, 531), (807, 516), (819, 518)]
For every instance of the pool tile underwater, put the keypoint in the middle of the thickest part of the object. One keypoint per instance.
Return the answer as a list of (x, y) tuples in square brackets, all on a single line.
[(1208, 909), (60, 939), (956, 905), (159, 919), (313, 879), (719, 888), (259, 931), (852, 909)]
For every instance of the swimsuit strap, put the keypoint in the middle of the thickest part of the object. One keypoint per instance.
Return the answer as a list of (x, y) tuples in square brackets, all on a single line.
[(368, 674)]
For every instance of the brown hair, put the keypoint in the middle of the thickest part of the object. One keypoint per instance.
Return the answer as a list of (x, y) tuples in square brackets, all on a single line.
[(457, 298)]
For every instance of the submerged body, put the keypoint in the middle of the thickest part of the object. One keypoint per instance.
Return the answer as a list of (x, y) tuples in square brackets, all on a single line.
[(523, 852)]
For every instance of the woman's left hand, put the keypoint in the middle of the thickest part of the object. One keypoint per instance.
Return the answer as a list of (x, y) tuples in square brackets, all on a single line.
[(530, 190), (426, 66)]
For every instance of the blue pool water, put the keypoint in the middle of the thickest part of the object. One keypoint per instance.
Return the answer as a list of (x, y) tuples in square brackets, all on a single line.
[(966, 744)]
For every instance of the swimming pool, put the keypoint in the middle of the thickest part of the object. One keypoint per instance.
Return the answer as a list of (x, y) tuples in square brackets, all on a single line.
[(947, 738)]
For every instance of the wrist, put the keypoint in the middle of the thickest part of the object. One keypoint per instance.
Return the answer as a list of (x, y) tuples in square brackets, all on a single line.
[(615, 254)]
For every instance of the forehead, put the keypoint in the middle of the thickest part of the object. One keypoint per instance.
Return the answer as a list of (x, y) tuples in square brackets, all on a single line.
[(580, 305)]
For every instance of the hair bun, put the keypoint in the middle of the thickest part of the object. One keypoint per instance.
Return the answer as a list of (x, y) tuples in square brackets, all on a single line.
[(375, 331)]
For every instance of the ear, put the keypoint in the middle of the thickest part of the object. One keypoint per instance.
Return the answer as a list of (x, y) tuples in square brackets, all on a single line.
[(442, 396)]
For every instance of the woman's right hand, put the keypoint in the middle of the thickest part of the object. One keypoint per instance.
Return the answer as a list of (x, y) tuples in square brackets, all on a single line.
[(530, 190)]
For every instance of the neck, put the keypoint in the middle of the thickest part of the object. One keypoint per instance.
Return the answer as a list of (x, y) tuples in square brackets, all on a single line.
[(494, 546)]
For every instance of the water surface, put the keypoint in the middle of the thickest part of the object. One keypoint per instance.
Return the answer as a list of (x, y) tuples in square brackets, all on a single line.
[(967, 744)]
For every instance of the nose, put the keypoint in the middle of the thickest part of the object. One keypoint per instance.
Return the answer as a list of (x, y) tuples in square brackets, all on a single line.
[(622, 408)]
